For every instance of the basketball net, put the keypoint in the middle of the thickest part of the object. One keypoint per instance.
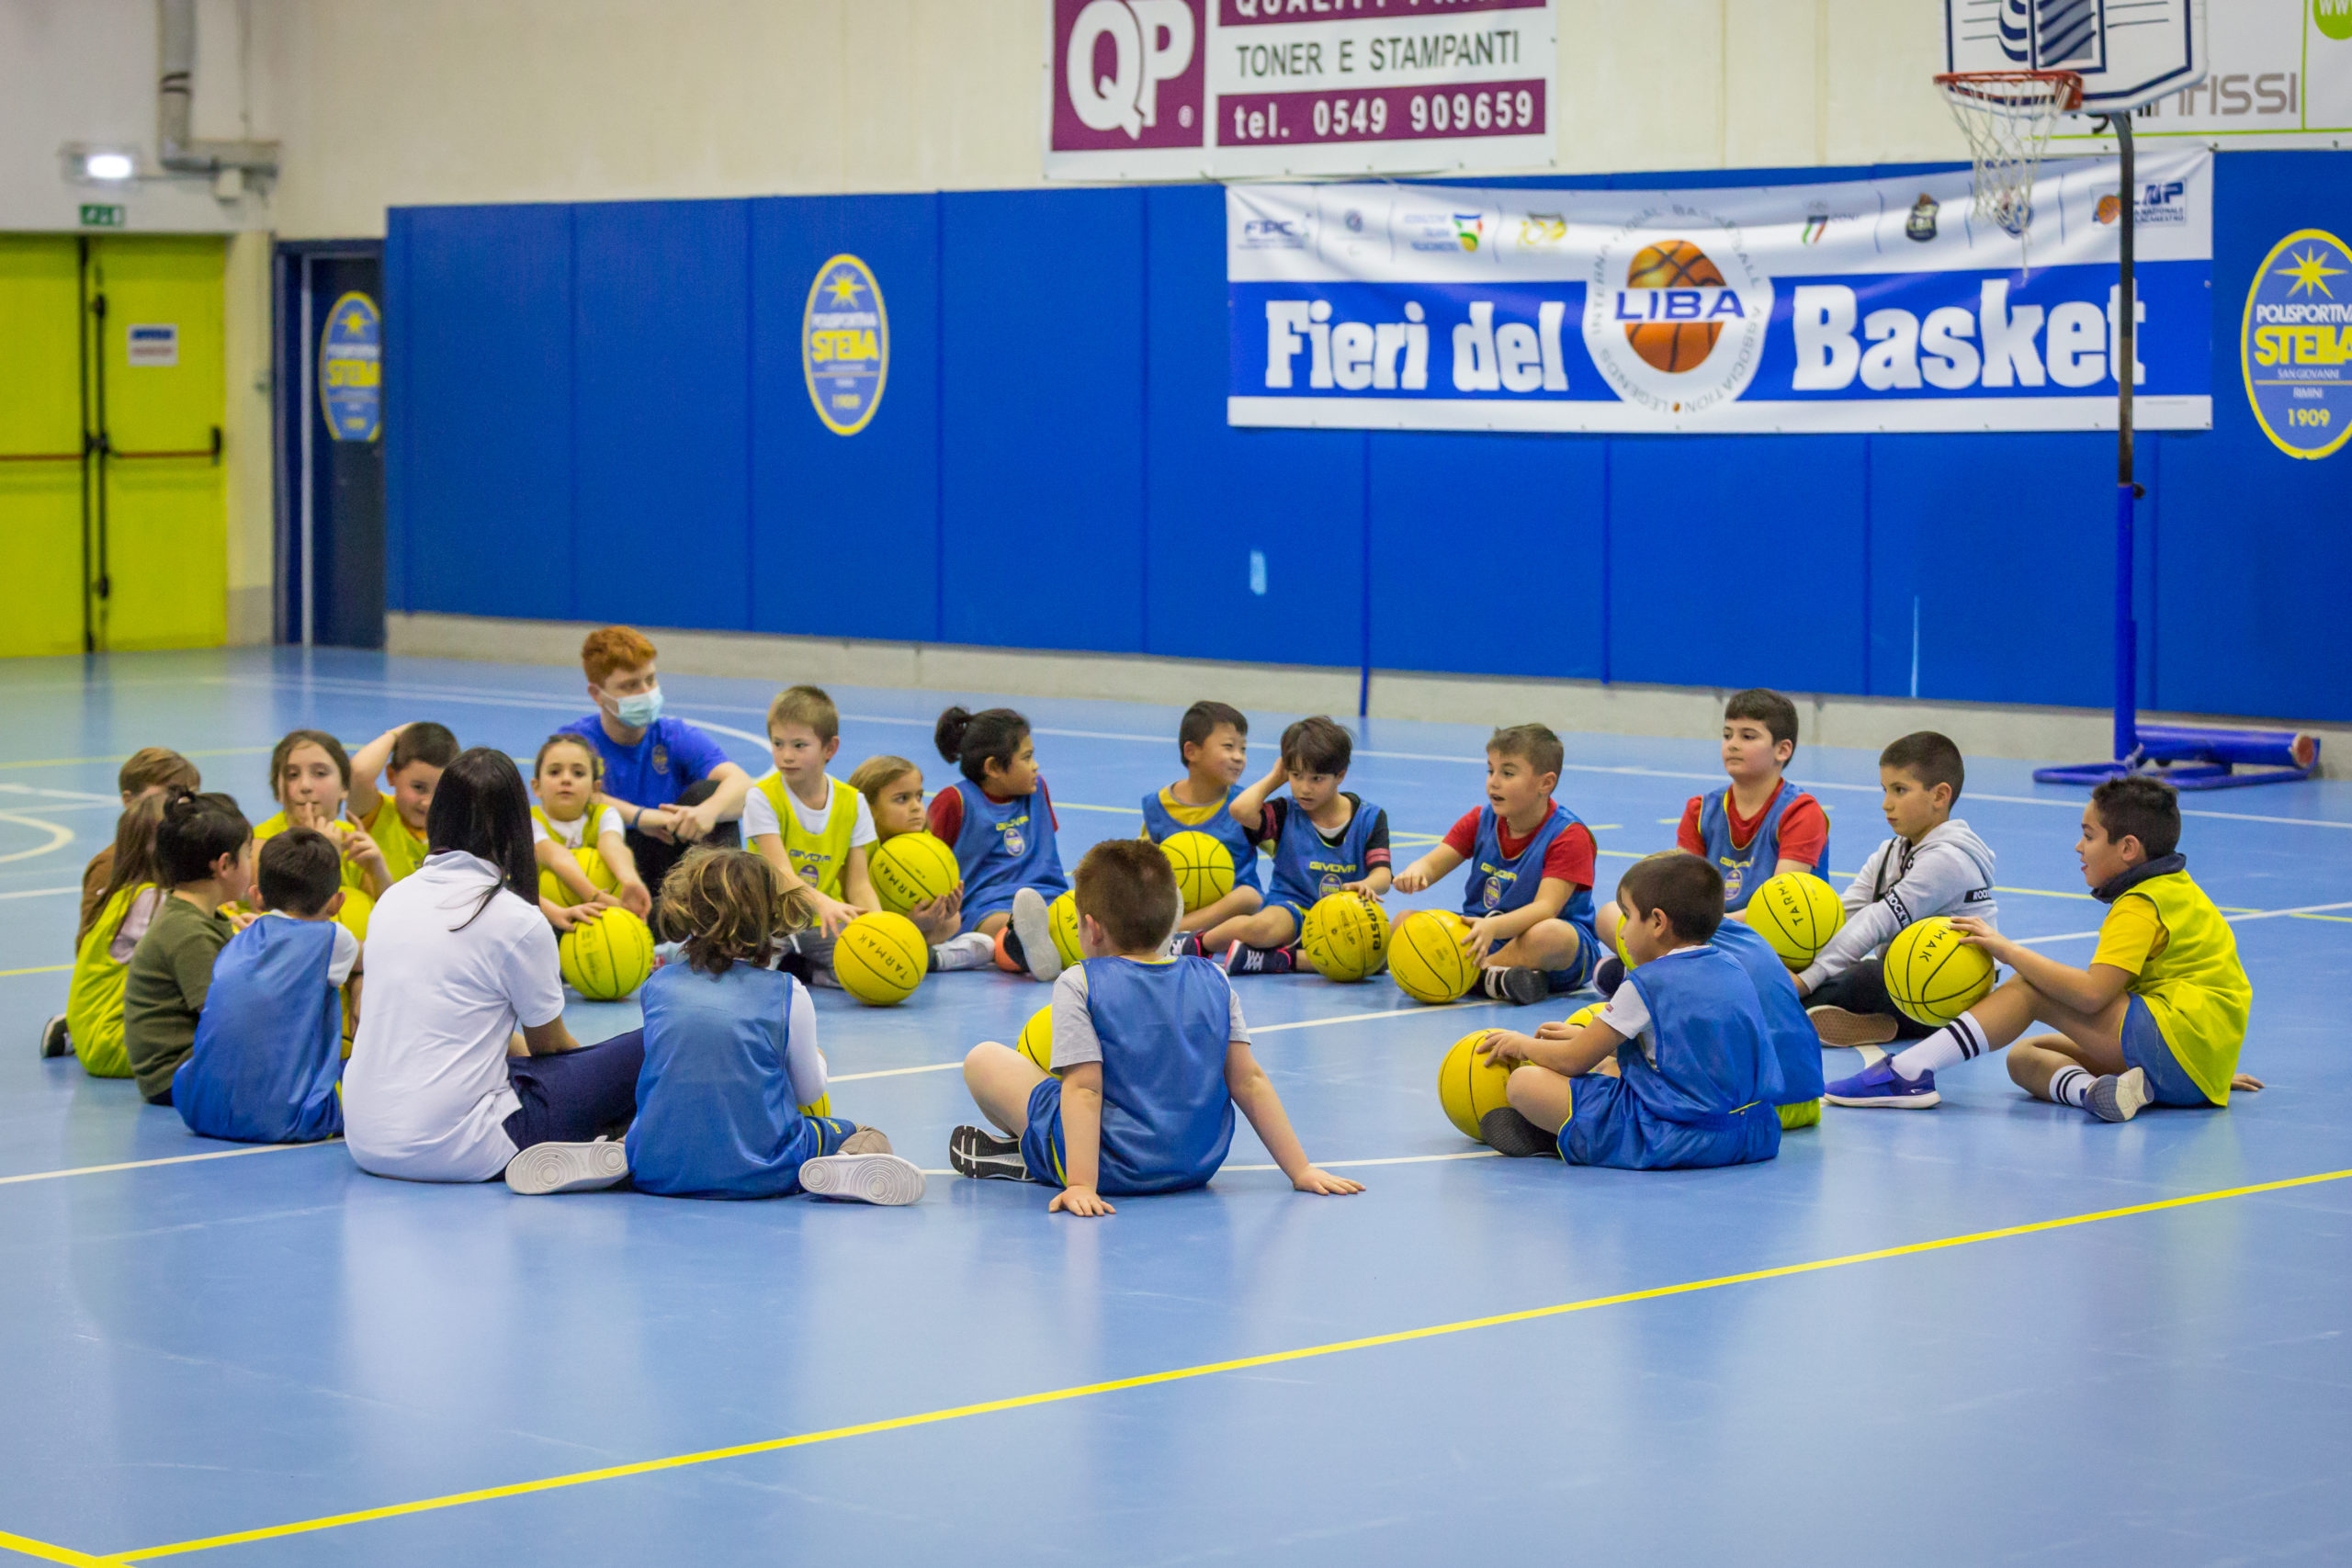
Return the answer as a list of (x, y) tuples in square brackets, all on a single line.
[(2007, 116)]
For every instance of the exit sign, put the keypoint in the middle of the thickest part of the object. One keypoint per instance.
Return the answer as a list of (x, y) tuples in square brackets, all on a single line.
[(101, 215)]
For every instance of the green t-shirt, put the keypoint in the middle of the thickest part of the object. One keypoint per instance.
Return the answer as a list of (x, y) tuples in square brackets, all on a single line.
[(163, 990)]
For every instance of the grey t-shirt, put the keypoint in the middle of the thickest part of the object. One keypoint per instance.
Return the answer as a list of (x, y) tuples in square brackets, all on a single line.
[(1075, 1041), (163, 989)]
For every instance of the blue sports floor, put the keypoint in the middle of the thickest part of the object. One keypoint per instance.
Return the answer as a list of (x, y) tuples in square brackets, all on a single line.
[(1992, 1333)]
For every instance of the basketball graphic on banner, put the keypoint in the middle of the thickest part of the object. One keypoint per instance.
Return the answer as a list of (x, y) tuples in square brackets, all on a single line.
[(1677, 305), (1673, 344)]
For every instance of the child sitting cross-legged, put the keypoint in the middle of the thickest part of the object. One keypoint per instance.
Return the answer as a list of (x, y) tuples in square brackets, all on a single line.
[(1150, 1057), (269, 1047), (2157, 1019), (731, 1101), (1213, 740), (893, 790), (204, 861), (1677, 1071)]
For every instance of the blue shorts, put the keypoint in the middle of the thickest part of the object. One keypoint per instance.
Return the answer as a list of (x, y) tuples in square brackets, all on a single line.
[(2146, 1048), (1297, 914), (1577, 975), (1041, 1141)]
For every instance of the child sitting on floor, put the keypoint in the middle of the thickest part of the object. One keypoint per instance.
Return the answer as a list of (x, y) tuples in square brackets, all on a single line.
[(999, 821), (127, 901), (893, 790), (204, 856)]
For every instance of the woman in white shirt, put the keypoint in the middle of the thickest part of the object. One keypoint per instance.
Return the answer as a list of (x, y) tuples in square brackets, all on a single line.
[(458, 957)]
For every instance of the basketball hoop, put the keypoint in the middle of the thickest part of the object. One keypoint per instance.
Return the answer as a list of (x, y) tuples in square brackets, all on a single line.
[(2007, 116)]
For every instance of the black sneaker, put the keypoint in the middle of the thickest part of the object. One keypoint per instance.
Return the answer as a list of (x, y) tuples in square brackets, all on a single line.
[(985, 1156), (54, 1041), (1517, 984), (1241, 959), (1505, 1132), (1610, 976)]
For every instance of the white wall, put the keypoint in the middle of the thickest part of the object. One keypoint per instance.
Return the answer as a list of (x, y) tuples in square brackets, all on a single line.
[(389, 101)]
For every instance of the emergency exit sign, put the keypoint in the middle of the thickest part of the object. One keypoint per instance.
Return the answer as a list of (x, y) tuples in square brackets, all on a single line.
[(101, 215)]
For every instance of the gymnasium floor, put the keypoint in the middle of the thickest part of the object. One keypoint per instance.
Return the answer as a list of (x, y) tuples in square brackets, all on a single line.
[(1991, 1333)]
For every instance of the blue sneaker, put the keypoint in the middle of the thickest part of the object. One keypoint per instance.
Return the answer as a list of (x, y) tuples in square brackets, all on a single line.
[(1880, 1087)]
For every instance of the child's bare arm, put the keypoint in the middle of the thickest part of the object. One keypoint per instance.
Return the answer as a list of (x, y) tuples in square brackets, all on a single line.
[(1376, 883), (1432, 867), (2085, 990), (1551, 898), (1554, 1046), (857, 882), (1082, 1142), (366, 767), (631, 890), (1254, 1093), (552, 856), (1249, 808)]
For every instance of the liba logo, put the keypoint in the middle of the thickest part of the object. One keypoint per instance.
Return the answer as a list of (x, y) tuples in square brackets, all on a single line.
[(845, 344), (1131, 74), (2295, 344), (1676, 324)]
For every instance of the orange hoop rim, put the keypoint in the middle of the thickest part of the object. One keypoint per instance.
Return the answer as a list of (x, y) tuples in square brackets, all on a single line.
[(2002, 89)]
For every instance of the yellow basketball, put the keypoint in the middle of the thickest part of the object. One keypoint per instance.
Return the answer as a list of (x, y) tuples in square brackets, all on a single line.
[(609, 957), (911, 869), (1346, 937), (1062, 914), (1623, 956), (1470, 1085), (1585, 1014), (1425, 957), (358, 906), (600, 877), (1797, 913), (1203, 868), (1036, 1040), (880, 958), (1934, 976), (823, 1107)]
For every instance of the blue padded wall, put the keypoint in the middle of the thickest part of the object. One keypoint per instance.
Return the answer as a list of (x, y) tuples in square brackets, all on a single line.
[(1050, 468), (661, 409), (845, 529)]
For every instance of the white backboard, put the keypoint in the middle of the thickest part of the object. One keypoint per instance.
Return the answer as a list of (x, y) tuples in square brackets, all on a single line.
[(2127, 51)]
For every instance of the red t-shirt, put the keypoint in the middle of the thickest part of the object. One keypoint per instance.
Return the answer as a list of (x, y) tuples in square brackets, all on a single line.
[(944, 815), (1569, 858), (1804, 827)]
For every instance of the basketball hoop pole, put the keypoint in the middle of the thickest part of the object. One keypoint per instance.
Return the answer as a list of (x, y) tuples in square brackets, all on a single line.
[(2126, 489)]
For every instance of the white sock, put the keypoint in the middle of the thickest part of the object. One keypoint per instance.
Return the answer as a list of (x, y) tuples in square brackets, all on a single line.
[(973, 950), (2071, 1085), (1959, 1041)]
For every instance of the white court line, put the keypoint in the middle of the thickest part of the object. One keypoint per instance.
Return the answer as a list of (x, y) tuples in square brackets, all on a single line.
[(79, 796), (1338, 1164), (38, 892), (59, 835), (343, 686), (1255, 1029), (2233, 920), (150, 1164)]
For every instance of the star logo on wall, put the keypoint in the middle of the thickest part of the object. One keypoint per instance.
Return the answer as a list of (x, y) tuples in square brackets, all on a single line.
[(2310, 269)]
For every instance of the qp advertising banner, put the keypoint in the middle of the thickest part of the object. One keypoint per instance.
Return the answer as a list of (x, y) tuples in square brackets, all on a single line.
[(1185, 89), (1855, 306)]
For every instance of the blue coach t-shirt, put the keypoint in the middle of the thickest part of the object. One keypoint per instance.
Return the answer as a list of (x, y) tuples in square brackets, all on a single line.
[(668, 758)]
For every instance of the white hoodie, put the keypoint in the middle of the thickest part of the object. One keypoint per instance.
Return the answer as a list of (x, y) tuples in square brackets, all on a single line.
[(1948, 872)]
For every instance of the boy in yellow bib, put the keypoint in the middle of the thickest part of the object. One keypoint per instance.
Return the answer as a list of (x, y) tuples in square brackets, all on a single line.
[(811, 827), (409, 758), (2157, 1019)]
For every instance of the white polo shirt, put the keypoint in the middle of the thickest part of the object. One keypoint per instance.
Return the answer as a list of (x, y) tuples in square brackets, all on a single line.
[(425, 1095)]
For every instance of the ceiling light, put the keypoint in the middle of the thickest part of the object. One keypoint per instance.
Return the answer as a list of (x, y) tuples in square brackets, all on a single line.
[(109, 166)]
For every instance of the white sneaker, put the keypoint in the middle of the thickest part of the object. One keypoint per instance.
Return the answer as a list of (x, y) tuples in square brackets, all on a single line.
[(568, 1167), (973, 950), (887, 1180), (1034, 926)]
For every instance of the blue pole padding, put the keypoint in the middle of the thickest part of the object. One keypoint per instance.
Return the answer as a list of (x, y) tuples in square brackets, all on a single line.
[(2127, 632)]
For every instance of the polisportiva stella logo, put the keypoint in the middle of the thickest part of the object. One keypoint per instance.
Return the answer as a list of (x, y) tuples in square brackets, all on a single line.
[(2295, 344), (845, 344)]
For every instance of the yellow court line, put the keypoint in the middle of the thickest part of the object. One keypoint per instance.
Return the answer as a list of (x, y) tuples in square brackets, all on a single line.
[(150, 1164), (28, 1547), (1182, 1375), (74, 761), (37, 969)]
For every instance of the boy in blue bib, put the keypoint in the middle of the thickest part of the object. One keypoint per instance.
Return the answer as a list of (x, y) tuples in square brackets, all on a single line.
[(1677, 1071), (1150, 1058), (268, 1051), (1213, 741), (1325, 840), (1529, 897), (999, 821)]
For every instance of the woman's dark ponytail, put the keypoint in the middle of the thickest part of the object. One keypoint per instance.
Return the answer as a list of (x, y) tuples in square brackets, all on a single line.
[(973, 740)]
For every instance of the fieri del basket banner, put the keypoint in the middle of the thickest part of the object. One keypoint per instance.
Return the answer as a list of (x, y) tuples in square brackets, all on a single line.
[(1188, 89), (1862, 305)]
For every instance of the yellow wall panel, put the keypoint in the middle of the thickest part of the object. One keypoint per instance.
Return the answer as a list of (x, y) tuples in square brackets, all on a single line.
[(41, 503)]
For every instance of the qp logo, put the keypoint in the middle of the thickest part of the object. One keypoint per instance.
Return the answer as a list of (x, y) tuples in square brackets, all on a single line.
[(2295, 344), (1675, 322), (1130, 74), (845, 344)]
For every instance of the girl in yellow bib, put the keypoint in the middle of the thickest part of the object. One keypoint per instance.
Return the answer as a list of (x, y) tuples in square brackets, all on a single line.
[(309, 777), (586, 865), (93, 997), (2157, 1019)]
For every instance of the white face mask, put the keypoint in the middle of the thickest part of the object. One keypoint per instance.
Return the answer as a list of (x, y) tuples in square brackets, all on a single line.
[(636, 710)]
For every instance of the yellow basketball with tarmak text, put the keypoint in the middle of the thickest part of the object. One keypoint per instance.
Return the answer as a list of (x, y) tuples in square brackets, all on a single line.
[(1470, 1085), (1036, 1040), (600, 877), (1346, 937), (880, 958), (1062, 916), (1426, 957), (1797, 913), (912, 868), (607, 957), (1934, 976), (1203, 868)]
